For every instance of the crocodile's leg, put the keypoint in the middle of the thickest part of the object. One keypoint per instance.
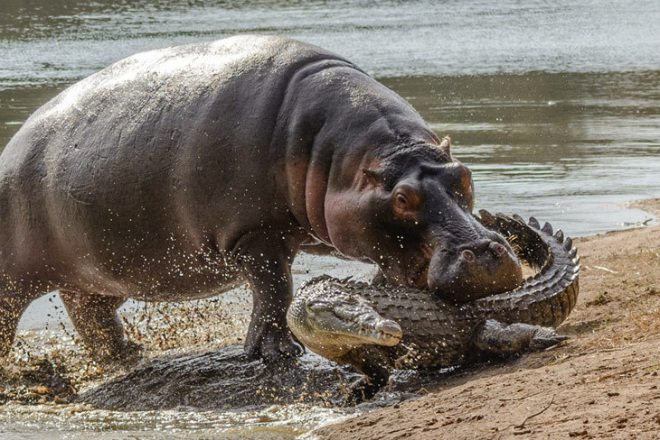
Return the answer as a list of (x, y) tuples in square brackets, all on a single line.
[(508, 339), (376, 368)]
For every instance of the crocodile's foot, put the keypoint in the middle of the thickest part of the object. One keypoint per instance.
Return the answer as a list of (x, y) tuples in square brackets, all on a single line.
[(501, 339), (360, 391), (545, 338)]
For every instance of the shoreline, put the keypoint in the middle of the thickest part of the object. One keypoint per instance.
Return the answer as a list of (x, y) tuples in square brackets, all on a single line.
[(600, 383)]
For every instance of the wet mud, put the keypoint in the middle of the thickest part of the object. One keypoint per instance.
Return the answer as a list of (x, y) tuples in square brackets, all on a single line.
[(42, 382)]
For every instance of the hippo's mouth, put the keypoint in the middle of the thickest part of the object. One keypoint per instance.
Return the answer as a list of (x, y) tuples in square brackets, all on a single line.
[(465, 271), (418, 275)]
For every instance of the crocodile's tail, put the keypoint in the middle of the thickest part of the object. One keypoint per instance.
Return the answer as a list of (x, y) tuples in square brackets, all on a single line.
[(545, 299)]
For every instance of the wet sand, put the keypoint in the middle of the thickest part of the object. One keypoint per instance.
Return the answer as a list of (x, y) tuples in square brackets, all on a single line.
[(602, 383)]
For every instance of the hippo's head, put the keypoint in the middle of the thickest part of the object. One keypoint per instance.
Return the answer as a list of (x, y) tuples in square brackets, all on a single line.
[(410, 213)]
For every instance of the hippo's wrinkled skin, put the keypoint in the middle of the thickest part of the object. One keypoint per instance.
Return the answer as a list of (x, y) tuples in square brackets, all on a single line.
[(183, 172)]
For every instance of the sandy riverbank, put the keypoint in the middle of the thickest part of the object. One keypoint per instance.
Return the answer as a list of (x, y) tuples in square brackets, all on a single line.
[(602, 383)]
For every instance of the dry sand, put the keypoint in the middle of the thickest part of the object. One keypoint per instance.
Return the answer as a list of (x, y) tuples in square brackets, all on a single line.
[(602, 383)]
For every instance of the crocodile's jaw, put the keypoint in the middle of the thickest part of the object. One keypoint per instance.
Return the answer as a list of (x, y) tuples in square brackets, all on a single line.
[(334, 326)]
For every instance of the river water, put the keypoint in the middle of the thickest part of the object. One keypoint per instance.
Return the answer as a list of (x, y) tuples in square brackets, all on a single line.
[(555, 106)]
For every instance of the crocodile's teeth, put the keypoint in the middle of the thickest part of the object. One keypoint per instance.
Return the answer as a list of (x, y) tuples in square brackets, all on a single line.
[(389, 330)]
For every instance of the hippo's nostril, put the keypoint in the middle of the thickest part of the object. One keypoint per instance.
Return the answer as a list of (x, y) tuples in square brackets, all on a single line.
[(498, 248), (468, 255)]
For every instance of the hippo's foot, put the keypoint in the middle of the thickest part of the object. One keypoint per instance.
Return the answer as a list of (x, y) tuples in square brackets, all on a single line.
[(123, 353), (272, 345), (96, 321)]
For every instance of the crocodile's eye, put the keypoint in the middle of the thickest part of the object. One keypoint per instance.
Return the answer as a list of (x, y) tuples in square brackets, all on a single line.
[(317, 306), (350, 300)]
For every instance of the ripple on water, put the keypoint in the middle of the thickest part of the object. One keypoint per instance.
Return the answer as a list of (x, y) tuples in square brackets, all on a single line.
[(84, 422)]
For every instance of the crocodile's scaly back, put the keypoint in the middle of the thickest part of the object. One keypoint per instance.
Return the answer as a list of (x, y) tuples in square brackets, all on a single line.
[(436, 333)]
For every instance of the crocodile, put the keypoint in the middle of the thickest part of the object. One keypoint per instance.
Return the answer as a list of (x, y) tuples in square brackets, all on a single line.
[(377, 328)]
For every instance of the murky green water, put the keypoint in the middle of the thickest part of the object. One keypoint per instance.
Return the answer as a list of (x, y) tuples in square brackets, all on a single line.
[(555, 106)]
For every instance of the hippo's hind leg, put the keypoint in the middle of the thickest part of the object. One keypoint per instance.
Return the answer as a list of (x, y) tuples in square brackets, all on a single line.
[(14, 299), (96, 321)]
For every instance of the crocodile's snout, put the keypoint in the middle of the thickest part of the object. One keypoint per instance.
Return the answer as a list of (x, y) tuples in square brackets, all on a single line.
[(388, 332), (331, 323)]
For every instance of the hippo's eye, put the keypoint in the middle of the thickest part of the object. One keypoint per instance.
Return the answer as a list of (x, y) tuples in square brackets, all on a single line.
[(405, 203), (401, 201)]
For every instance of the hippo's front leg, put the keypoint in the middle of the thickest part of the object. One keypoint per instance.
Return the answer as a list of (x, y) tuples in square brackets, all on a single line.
[(266, 258)]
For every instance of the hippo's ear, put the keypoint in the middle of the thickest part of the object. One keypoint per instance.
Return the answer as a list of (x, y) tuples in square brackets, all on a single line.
[(445, 146), (372, 178)]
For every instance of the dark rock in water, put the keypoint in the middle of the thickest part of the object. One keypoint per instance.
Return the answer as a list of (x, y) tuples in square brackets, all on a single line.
[(222, 380)]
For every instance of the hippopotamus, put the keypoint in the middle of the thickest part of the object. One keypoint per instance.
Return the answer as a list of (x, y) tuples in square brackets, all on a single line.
[(184, 172)]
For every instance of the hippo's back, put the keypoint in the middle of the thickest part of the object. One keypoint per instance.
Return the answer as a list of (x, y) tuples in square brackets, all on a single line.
[(147, 151), (158, 91)]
